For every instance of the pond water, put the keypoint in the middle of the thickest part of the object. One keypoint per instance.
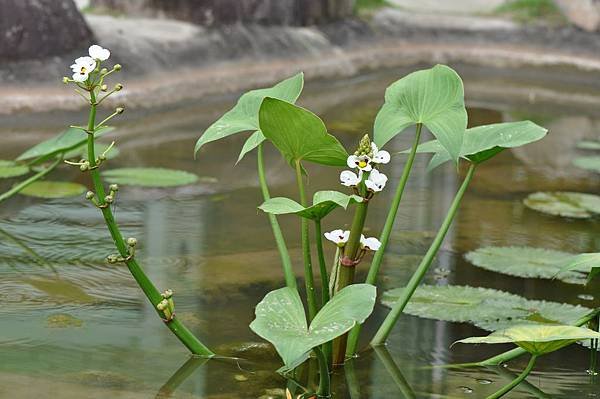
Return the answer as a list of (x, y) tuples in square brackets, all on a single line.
[(72, 326)]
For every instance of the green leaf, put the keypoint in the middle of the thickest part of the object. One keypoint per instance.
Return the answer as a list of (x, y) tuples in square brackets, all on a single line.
[(64, 142), (99, 148), (433, 97), (484, 142), (583, 262), (483, 307), (150, 177), (588, 163), (528, 262), (299, 134), (588, 145), (323, 203), (12, 169), (53, 189), (536, 339), (280, 319), (244, 116), (564, 203)]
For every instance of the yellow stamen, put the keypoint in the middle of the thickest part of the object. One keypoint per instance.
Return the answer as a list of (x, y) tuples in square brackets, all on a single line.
[(362, 164)]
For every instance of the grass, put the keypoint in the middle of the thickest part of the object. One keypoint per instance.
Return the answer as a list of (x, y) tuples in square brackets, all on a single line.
[(362, 5), (531, 10)]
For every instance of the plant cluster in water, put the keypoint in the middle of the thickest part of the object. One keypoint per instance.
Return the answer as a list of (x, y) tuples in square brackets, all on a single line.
[(337, 304)]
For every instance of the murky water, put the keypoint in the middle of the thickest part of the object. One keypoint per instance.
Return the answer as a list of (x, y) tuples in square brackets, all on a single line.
[(73, 327)]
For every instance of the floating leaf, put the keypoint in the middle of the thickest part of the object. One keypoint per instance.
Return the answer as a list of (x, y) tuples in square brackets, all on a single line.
[(299, 134), (53, 189), (280, 319), (433, 97), (323, 203), (528, 262), (589, 163), (564, 203), (12, 169), (588, 145), (99, 148), (485, 308), (484, 142), (536, 339), (244, 116), (583, 262), (64, 142), (150, 177)]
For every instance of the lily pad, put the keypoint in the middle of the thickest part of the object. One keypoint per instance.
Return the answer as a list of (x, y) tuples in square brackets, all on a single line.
[(536, 339), (582, 262), (528, 262), (564, 203), (53, 189), (485, 308), (589, 163), (150, 177), (323, 203), (281, 320), (588, 145), (12, 169)]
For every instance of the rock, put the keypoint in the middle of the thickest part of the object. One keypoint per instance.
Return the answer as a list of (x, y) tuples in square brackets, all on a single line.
[(224, 12), (41, 28), (584, 14)]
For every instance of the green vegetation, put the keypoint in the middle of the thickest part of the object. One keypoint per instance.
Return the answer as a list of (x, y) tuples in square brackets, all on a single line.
[(531, 10)]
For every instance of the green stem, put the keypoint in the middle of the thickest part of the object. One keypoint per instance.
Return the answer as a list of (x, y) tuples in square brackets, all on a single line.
[(19, 187), (391, 319), (179, 377), (392, 368), (324, 390), (354, 335), (286, 262), (514, 353), (352, 380), (322, 265), (151, 292), (308, 272), (516, 381)]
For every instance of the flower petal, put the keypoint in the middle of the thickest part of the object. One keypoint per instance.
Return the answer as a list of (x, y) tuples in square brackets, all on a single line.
[(80, 77), (381, 157), (99, 53)]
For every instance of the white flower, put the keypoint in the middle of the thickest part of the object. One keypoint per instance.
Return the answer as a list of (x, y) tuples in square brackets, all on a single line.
[(362, 162), (370, 243), (376, 181), (82, 68), (99, 53), (339, 237), (380, 156), (350, 179)]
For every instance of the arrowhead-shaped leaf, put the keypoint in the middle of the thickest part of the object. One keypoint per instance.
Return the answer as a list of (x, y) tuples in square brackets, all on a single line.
[(484, 142), (536, 339), (66, 141), (433, 97), (299, 134), (244, 116), (280, 319), (323, 203)]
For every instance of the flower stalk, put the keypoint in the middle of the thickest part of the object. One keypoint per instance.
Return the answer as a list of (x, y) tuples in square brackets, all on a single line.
[(391, 319), (506, 389)]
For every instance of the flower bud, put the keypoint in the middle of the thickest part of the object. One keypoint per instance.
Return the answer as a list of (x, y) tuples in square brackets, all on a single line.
[(65, 80), (119, 110), (89, 195), (83, 167), (109, 199), (113, 187), (112, 259), (167, 294), (104, 87), (117, 67), (118, 87), (162, 305), (132, 242), (104, 71), (102, 157)]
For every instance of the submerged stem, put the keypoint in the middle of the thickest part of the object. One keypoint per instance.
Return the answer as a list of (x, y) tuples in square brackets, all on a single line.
[(324, 390), (30, 180), (391, 319), (151, 292), (308, 272), (384, 238), (286, 262), (516, 381)]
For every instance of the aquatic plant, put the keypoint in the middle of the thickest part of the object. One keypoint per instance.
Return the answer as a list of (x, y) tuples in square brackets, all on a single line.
[(89, 76), (537, 340)]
